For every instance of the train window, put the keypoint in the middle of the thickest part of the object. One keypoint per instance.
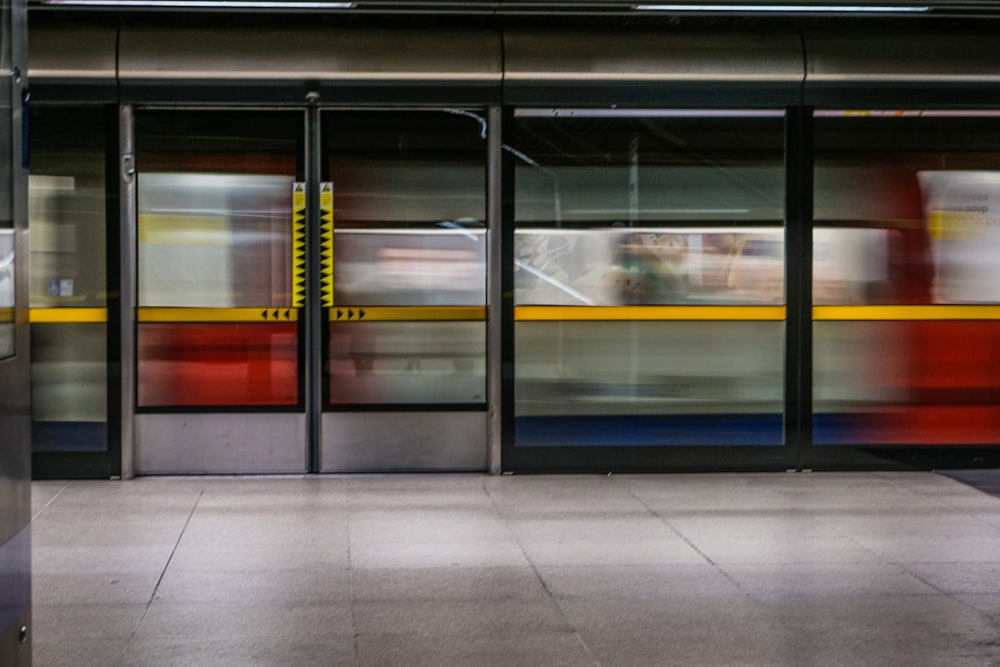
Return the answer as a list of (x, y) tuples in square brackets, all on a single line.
[(214, 198), (409, 237), (649, 277), (906, 283), (68, 284)]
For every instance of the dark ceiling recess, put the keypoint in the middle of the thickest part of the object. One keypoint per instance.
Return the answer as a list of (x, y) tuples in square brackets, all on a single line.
[(567, 8)]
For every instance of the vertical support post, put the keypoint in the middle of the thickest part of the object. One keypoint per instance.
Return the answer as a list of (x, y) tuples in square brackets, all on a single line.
[(313, 311), (798, 281), (127, 285), (15, 345), (494, 289)]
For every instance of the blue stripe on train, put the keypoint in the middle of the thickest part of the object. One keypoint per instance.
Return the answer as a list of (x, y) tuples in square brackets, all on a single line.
[(53, 436), (648, 430)]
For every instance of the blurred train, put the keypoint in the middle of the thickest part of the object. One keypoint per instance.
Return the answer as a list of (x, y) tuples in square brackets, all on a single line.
[(642, 190)]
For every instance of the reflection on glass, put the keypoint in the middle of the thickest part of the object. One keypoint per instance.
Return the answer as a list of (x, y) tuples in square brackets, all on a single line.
[(214, 240), (217, 364), (68, 381), (67, 219), (654, 383), (66, 207), (407, 362), (649, 266), (624, 209), (67, 241), (6, 268), (907, 214), (7, 335), (409, 230), (410, 267), (214, 200)]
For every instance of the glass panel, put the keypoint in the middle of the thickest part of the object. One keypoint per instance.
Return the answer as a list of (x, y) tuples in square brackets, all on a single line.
[(7, 266), (7, 330), (410, 267), (214, 240), (67, 217), (214, 194), (649, 265), (69, 387), (906, 208), (409, 217), (408, 362), (648, 383), (666, 209), (218, 364)]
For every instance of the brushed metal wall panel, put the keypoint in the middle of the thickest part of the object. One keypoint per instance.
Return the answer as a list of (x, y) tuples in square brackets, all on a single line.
[(244, 443), (318, 55), (404, 441), (642, 67)]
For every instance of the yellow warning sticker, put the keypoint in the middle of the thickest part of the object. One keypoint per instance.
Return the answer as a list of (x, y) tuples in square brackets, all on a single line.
[(298, 244), (326, 250)]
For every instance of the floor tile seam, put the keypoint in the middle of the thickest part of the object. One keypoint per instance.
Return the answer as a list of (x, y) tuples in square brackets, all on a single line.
[(541, 580), (691, 544), (956, 596), (936, 498), (159, 580), (346, 518), (51, 500)]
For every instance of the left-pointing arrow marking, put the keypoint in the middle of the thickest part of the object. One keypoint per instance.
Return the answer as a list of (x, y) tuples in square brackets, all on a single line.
[(264, 315), (288, 314)]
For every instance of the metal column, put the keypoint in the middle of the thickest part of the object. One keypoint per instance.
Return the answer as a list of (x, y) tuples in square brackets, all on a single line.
[(126, 287), (494, 290)]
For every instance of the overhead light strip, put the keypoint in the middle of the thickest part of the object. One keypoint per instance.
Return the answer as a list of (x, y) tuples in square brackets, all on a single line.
[(203, 4), (785, 9)]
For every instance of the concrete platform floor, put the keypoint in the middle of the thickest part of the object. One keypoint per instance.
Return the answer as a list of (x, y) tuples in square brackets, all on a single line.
[(727, 569)]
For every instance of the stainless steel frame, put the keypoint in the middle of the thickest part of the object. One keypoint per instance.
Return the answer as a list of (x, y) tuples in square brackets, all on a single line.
[(127, 250), (15, 371), (494, 291), (404, 441), (231, 443)]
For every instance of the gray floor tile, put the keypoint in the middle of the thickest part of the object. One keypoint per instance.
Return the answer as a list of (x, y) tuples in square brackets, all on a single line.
[(77, 652), (264, 528), (101, 588), (85, 621), (960, 577), (406, 525), (787, 549), (643, 551), (735, 569), (562, 649), (986, 603), (321, 651), (929, 549), (635, 582), (447, 583), (330, 586), (638, 526), (893, 630), (246, 621), (43, 493), (52, 532), (420, 555), (826, 579), (450, 618), (119, 560), (260, 557)]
